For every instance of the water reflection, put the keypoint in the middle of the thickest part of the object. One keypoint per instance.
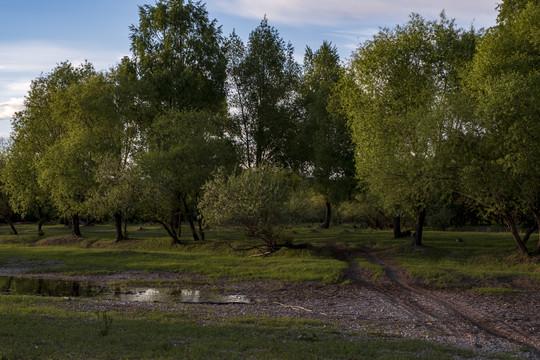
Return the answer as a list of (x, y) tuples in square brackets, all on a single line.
[(59, 288)]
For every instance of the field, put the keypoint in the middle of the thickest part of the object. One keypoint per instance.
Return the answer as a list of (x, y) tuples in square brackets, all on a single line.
[(352, 294)]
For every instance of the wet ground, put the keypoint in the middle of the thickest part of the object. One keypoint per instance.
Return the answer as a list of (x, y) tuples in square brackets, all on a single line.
[(393, 304)]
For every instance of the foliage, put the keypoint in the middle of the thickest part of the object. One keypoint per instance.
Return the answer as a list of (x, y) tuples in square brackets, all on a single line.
[(255, 200), (399, 94), (502, 169), (6, 209), (179, 57), (182, 68), (263, 79), (328, 154), (63, 130), (184, 148), (365, 211)]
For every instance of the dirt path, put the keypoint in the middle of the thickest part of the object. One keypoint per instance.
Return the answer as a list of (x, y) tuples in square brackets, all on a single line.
[(449, 314)]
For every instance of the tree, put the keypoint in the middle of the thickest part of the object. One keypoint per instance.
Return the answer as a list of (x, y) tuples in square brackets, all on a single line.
[(398, 95), (91, 132), (263, 83), (503, 169), (182, 67), (184, 149), (6, 210), (256, 200), (179, 56), (328, 149), (117, 177), (39, 135), (19, 176)]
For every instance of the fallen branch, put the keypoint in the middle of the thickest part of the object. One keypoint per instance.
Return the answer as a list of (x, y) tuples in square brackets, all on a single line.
[(294, 307)]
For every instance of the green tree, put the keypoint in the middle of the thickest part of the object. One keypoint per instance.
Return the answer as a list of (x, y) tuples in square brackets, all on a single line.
[(255, 200), (19, 176), (328, 150), (91, 131), (179, 56), (184, 149), (503, 168), (399, 94), (117, 189), (38, 131), (6, 209), (181, 64), (263, 79)]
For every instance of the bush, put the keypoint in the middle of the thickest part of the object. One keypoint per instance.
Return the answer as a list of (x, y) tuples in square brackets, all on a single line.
[(256, 200), (365, 211)]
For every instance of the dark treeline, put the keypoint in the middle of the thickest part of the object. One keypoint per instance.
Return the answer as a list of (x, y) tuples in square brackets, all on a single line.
[(424, 123)]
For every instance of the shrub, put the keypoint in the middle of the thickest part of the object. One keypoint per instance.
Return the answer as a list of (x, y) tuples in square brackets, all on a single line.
[(256, 200)]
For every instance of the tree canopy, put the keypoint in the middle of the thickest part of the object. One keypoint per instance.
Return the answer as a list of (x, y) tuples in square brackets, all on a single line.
[(423, 115), (397, 94)]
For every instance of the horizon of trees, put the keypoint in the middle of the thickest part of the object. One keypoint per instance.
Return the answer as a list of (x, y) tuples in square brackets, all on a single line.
[(426, 121)]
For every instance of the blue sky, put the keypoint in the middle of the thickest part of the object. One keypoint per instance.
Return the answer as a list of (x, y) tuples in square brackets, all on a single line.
[(35, 35)]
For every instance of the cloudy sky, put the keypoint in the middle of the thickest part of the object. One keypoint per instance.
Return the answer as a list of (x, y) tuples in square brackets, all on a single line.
[(35, 35)]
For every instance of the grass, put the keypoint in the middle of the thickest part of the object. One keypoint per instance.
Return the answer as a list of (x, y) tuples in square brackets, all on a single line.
[(151, 250), (46, 328), (35, 327), (486, 256), (442, 261)]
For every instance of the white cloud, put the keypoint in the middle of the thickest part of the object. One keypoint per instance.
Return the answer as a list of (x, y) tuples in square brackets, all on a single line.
[(331, 13), (9, 107)]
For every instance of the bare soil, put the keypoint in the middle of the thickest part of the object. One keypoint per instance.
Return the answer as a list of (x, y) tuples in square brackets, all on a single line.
[(394, 304)]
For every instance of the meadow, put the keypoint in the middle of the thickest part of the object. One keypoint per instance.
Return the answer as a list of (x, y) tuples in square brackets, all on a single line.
[(66, 327)]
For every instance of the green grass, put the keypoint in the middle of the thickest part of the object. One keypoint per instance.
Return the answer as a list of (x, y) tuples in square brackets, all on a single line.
[(445, 262), (34, 327), (42, 328), (442, 261), (151, 250)]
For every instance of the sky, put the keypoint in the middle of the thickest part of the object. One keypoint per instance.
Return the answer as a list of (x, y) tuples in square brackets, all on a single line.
[(36, 35)]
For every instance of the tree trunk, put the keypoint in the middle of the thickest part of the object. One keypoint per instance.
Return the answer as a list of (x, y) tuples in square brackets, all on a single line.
[(397, 227), (170, 231), (41, 220), (117, 219), (125, 220), (176, 222), (40, 227), (419, 229), (528, 234), (190, 220), (327, 215), (90, 221), (509, 219), (201, 228), (13, 231), (537, 219), (200, 218), (75, 226)]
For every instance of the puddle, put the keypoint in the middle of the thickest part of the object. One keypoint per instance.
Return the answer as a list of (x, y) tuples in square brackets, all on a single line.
[(11, 285)]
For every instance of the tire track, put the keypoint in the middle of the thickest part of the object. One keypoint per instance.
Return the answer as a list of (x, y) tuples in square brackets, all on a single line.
[(447, 317)]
